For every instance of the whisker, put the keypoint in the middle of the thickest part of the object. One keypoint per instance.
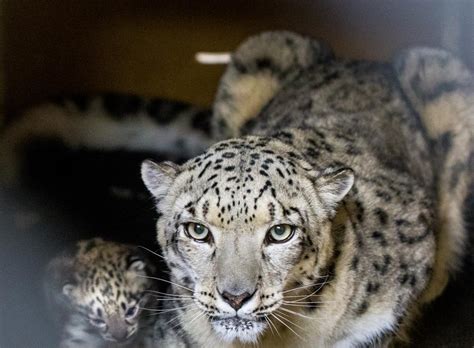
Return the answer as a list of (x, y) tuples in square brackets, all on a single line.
[(309, 305), (195, 318), (168, 294), (199, 314), (272, 324), (306, 302), (314, 292), (174, 299), (289, 328), (288, 318), (164, 280), (175, 318), (296, 313), (151, 251), (294, 296), (271, 329), (305, 286), (166, 310)]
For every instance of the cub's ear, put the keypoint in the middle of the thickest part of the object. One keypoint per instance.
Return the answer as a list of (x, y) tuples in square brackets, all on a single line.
[(158, 177), (68, 290), (137, 265), (333, 185)]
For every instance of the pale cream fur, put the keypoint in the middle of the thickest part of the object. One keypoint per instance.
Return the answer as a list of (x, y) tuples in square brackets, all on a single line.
[(451, 231)]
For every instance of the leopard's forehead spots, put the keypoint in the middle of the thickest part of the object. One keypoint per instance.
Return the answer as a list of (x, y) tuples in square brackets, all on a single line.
[(104, 278), (243, 181)]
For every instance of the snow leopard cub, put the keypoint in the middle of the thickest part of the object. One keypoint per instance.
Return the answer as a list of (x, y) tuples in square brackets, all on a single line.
[(96, 294), (327, 222)]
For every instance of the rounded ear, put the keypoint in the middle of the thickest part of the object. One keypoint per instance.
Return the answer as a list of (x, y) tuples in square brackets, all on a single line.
[(136, 263), (158, 177), (68, 289), (333, 185), (137, 266)]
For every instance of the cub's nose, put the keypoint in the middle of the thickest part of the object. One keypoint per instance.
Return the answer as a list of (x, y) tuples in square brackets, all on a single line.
[(236, 301)]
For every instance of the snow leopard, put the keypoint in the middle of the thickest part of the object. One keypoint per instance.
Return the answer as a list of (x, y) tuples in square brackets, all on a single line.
[(332, 210), (97, 293)]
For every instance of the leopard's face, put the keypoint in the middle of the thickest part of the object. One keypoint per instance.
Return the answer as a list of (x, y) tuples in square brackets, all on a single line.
[(110, 288), (243, 227)]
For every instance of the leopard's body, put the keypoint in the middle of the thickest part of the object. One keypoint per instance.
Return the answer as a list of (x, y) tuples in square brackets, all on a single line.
[(96, 294), (357, 159), (369, 163)]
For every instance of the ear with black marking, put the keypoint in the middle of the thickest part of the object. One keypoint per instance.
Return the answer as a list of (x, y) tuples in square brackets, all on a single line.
[(158, 177), (333, 185), (68, 290), (136, 266)]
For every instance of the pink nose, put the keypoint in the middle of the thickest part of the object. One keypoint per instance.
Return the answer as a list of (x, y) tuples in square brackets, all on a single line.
[(236, 301)]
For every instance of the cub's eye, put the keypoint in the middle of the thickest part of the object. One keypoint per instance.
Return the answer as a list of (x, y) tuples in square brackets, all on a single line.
[(97, 322), (280, 233), (198, 232), (131, 312)]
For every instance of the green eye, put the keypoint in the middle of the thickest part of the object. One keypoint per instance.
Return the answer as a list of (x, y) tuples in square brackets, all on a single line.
[(198, 232), (280, 233)]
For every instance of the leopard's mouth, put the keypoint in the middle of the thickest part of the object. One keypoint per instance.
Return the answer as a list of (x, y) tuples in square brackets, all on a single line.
[(245, 330)]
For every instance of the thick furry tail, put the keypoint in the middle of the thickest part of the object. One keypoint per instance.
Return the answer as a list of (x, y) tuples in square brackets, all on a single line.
[(259, 68), (106, 123), (441, 89)]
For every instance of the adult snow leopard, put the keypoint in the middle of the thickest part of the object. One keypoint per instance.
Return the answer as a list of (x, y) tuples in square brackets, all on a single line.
[(334, 214)]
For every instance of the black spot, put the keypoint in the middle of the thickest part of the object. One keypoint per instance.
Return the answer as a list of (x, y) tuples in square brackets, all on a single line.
[(212, 177), (202, 121), (280, 173), (164, 111), (380, 237), (204, 169), (445, 141), (264, 63), (228, 155), (381, 215), (372, 288), (120, 105), (403, 278), (362, 308), (384, 195), (383, 267)]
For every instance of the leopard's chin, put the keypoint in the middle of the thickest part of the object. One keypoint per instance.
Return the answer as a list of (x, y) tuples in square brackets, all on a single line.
[(235, 328)]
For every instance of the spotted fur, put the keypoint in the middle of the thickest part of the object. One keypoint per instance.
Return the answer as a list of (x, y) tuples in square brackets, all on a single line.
[(96, 294), (441, 90), (341, 150), (109, 123)]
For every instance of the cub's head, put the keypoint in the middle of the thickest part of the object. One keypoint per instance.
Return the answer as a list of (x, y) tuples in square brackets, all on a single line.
[(243, 226), (108, 286)]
